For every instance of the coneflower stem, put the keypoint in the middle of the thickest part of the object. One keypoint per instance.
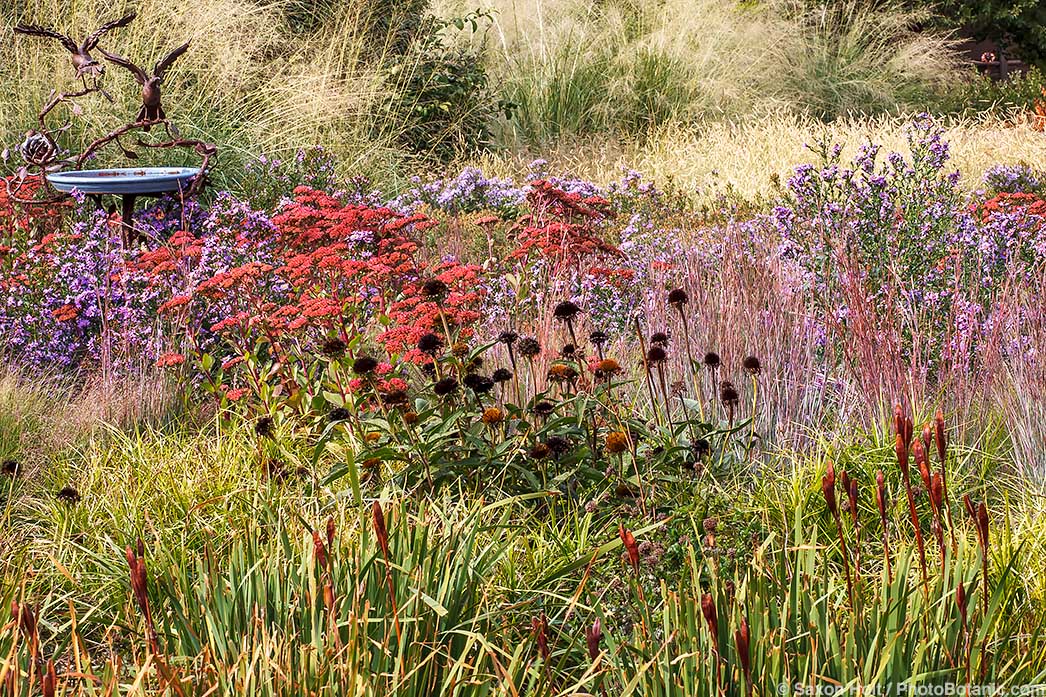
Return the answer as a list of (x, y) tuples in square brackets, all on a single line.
[(646, 369)]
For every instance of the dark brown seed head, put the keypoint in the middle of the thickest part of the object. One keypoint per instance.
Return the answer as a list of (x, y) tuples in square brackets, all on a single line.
[(566, 311), (430, 344), (11, 468), (265, 427), (434, 289), (508, 337), (333, 348), (728, 394), (501, 375), (444, 387), (751, 365), (711, 360), (659, 339), (69, 495), (598, 338), (529, 347), (677, 298), (656, 355), (364, 365)]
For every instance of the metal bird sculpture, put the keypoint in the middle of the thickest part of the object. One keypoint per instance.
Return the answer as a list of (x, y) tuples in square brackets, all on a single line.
[(84, 63), (152, 108)]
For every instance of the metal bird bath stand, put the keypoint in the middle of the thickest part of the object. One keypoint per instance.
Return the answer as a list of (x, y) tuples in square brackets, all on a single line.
[(61, 176)]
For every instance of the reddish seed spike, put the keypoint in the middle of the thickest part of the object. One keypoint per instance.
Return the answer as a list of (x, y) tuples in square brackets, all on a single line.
[(937, 491), (970, 510), (330, 532), (902, 454), (927, 437), (844, 481), (828, 489), (919, 453), (898, 419), (880, 492), (318, 550), (741, 640), (380, 531), (853, 499), (708, 609), (593, 636), (48, 681), (909, 428), (141, 548), (982, 522), (629, 540)]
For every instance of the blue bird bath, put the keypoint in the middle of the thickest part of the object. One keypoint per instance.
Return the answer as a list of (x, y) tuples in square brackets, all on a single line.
[(127, 181)]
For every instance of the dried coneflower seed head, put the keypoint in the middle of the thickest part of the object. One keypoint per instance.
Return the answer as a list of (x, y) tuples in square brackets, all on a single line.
[(338, 414), (460, 349), (434, 289), (558, 445), (607, 367), (492, 416), (508, 337), (710, 525), (410, 418), (659, 339), (711, 360), (568, 351), (728, 394), (655, 355), (529, 347), (540, 451), (598, 338), (333, 348), (544, 408), (11, 468), (677, 298), (617, 442), (364, 365), (751, 365), (501, 375), (395, 398), (444, 387), (566, 311), (69, 495), (430, 344), (480, 384), (265, 427)]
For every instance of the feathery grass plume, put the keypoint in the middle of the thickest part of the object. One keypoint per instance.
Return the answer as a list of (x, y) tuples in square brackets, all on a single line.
[(881, 502), (828, 491)]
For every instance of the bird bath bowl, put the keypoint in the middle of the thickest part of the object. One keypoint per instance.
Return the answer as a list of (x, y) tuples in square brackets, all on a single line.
[(141, 181), (128, 183)]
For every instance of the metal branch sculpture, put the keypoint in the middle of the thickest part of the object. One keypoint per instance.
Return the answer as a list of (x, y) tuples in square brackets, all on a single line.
[(85, 65), (43, 157), (152, 107)]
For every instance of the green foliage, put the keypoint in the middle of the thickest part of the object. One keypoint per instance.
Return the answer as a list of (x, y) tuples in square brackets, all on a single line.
[(1020, 22), (446, 103)]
